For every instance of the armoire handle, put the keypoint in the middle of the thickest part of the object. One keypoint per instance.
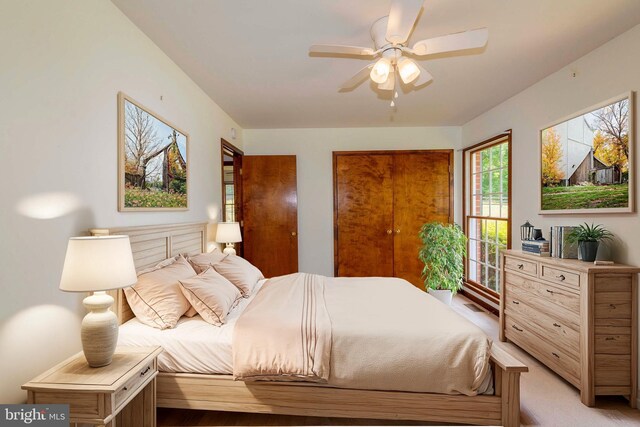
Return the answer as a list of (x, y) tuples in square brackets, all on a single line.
[(397, 231), (389, 231)]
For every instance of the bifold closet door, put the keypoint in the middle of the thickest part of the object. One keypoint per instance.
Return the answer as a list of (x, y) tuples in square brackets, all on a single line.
[(363, 209), (381, 202), (423, 188), (270, 209)]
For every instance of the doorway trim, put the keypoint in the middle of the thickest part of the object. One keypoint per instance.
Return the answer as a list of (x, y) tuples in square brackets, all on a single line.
[(238, 154)]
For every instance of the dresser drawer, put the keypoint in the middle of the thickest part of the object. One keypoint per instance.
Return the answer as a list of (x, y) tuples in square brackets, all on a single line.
[(613, 344), (523, 266), (555, 358), (559, 303), (612, 370), (554, 329), (560, 276), (131, 387)]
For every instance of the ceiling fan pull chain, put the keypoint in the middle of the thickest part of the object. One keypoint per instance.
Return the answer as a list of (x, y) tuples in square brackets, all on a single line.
[(395, 87)]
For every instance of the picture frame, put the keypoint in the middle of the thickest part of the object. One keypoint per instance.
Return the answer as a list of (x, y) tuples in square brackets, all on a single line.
[(153, 160), (586, 160)]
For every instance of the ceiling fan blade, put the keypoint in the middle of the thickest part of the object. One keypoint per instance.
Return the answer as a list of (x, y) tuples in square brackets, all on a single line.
[(450, 43), (402, 18), (390, 83), (358, 78), (341, 50), (424, 77)]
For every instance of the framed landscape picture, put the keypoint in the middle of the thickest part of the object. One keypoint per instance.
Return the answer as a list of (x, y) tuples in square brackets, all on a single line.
[(586, 160), (152, 160)]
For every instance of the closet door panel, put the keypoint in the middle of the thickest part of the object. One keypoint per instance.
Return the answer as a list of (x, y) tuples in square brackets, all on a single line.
[(363, 215), (422, 193)]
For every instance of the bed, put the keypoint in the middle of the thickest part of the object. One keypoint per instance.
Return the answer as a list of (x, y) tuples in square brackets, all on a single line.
[(212, 391)]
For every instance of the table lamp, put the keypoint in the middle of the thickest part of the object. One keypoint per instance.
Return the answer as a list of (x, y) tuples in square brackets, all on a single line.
[(97, 264), (229, 233)]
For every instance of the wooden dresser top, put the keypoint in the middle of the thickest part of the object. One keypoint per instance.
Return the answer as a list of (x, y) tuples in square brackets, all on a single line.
[(574, 264)]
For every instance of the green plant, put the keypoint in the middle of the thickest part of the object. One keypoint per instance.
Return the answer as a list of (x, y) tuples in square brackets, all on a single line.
[(443, 251), (589, 233)]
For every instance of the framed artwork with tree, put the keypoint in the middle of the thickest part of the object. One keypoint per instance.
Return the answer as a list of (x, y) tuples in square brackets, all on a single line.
[(586, 160), (152, 160)]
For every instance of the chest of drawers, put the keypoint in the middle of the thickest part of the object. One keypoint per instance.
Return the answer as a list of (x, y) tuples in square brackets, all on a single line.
[(577, 318)]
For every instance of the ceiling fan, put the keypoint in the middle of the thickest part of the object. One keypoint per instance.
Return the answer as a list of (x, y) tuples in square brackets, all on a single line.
[(390, 34)]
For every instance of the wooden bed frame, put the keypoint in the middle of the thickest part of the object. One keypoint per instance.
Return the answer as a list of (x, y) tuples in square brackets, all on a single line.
[(152, 244)]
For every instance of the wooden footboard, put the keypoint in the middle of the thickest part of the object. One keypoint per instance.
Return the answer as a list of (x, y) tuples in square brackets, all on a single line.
[(222, 393)]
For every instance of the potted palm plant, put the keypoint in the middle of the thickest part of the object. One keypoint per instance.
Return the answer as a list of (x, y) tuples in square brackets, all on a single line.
[(588, 238), (443, 251)]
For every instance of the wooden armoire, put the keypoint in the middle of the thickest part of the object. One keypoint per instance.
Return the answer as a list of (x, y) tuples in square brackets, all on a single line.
[(381, 200)]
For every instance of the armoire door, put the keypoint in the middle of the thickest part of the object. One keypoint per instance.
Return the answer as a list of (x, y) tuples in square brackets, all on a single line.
[(363, 215), (382, 199), (423, 192), (270, 210)]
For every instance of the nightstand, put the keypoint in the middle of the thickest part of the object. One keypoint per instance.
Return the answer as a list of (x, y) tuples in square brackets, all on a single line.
[(122, 393)]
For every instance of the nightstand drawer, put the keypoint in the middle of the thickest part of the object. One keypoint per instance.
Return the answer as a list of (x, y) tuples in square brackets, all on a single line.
[(132, 386), (521, 265)]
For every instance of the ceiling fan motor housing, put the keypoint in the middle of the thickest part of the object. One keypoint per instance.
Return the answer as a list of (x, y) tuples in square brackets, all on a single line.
[(378, 33)]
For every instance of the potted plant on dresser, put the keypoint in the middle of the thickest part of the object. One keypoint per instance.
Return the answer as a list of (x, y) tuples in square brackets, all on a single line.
[(443, 251), (588, 238)]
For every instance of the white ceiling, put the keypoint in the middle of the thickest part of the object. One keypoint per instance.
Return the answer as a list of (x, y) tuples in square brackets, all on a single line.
[(251, 56)]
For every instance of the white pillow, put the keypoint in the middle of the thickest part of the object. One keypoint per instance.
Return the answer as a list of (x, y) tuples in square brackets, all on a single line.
[(156, 299), (205, 260), (211, 295), (240, 272)]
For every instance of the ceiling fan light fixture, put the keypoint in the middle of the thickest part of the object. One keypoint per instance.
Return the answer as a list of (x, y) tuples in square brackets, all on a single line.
[(408, 70), (380, 71)]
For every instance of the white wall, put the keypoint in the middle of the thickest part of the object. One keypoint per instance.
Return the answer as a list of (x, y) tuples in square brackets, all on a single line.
[(313, 148), (608, 71), (63, 63)]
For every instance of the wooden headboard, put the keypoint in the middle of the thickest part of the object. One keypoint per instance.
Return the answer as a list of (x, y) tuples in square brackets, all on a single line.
[(152, 244)]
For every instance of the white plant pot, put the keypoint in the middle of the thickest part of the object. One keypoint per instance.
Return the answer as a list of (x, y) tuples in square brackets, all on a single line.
[(443, 295)]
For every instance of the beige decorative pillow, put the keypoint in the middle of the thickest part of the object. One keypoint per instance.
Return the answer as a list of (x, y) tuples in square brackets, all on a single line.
[(203, 261), (240, 272), (211, 295), (156, 298)]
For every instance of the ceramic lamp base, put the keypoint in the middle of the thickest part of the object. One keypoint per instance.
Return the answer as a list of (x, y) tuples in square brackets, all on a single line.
[(99, 330), (229, 249)]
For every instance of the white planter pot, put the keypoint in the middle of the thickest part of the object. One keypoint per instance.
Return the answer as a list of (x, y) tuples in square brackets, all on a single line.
[(444, 295)]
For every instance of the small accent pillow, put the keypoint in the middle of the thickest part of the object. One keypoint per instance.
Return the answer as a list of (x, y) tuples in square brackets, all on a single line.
[(211, 295), (240, 272), (156, 298), (205, 260)]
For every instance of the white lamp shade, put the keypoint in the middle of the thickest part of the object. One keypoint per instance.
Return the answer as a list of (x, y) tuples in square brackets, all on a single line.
[(228, 232), (380, 71), (98, 264), (408, 70)]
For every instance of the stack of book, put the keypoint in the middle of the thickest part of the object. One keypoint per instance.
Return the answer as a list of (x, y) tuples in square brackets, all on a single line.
[(560, 246), (536, 247)]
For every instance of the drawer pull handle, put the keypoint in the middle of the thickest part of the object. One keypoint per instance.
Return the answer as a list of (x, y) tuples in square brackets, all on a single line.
[(520, 266), (550, 291), (556, 325), (609, 339), (516, 302), (125, 388), (145, 371), (561, 277), (516, 328), (613, 306), (556, 355)]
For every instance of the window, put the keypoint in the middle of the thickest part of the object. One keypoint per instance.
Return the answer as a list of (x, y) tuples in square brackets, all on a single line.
[(487, 213)]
